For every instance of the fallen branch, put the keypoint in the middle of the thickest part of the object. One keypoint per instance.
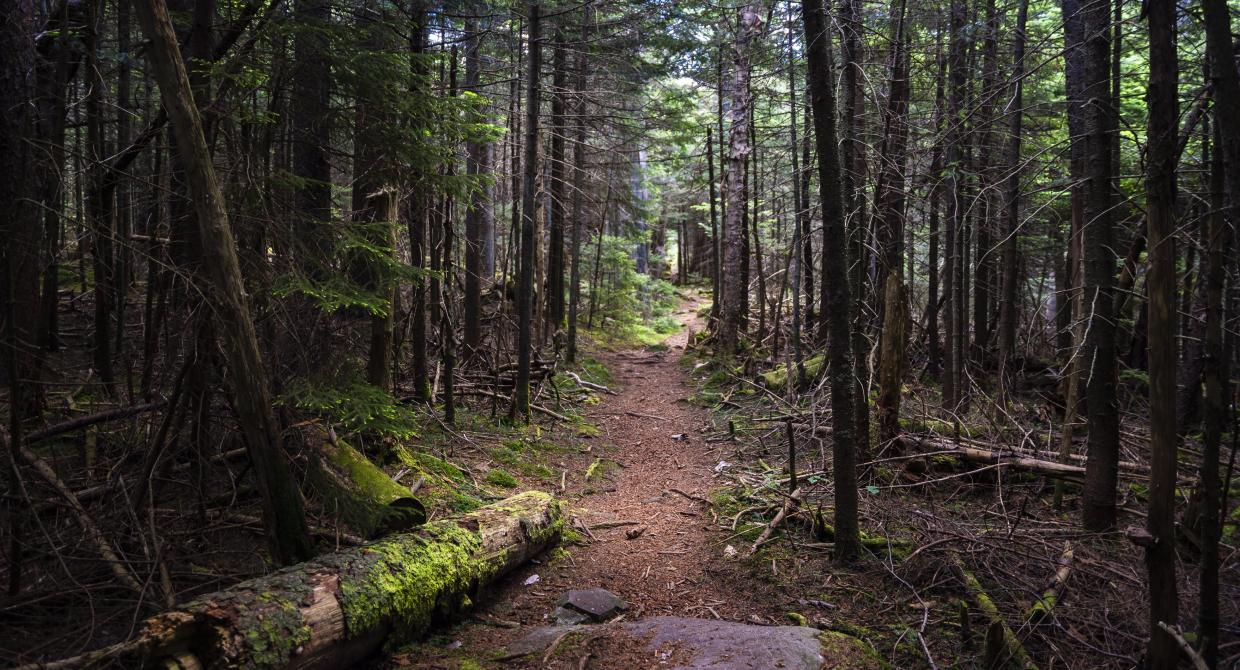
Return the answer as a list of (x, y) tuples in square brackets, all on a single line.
[(790, 504), (44, 469), (537, 408), (1008, 459), (1045, 605), (590, 385), (90, 420), (1199, 663), (690, 496)]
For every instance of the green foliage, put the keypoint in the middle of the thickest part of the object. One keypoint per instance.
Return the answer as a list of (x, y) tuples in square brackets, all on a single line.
[(630, 308), (357, 406)]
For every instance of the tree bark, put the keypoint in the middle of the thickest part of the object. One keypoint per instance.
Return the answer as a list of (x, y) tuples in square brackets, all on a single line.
[(1009, 302), (1098, 505), (311, 134), (735, 284), (834, 280), (480, 217), (416, 211), (288, 537), (1225, 177), (529, 206), (953, 380), (1163, 104), (579, 185), (889, 212), (555, 213)]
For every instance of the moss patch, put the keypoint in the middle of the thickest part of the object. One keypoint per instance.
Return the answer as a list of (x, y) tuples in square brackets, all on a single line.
[(353, 488), (501, 477), (777, 378)]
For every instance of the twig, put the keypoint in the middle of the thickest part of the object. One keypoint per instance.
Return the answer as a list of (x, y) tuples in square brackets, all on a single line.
[(789, 505), (690, 496)]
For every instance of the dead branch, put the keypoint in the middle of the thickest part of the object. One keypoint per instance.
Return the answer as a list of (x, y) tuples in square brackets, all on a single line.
[(790, 504)]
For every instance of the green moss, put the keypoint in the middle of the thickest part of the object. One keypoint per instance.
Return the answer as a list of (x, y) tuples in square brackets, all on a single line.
[(594, 371), (424, 577), (777, 378), (429, 464), (403, 580), (844, 650), (500, 477), (354, 488), (274, 637), (599, 470)]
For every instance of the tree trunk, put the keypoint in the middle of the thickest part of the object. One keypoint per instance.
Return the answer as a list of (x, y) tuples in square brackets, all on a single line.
[(953, 380), (1160, 187), (18, 258), (311, 135), (374, 198), (100, 208), (889, 212), (1225, 177), (834, 280), (480, 217), (579, 184), (934, 350), (415, 219), (1009, 301), (555, 213), (284, 519), (716, 266), (735, 284), (525, 287), (1098, 508)]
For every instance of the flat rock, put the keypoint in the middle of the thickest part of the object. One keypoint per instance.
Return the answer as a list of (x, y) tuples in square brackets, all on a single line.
[(564, 616), (599, 604), (706, 644)]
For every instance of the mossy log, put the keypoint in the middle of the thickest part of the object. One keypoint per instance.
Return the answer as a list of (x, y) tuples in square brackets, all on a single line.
[(777, 378), (1003, 648), (1007, 459), (337, 609), (359, 492)]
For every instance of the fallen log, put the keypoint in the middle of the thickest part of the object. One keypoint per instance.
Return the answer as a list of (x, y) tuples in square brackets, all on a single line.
[(333, 611), (358, 491), (1007, 459), (1003, 648)]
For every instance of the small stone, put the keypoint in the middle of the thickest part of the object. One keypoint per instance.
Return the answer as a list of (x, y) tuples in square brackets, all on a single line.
[(598, 604), (729, 551)]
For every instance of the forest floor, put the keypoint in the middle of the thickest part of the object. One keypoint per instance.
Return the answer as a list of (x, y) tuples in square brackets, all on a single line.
[(659, 472), (683, 469)]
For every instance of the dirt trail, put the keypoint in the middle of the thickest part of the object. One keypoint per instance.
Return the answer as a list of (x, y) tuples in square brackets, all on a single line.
[(675, 566)]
